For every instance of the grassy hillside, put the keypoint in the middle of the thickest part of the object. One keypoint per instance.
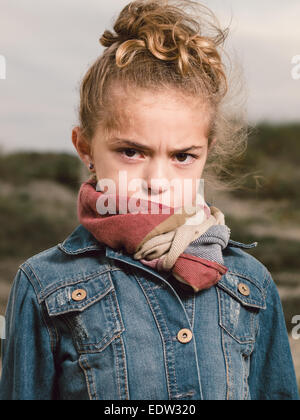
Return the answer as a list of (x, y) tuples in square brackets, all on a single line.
[(37, 201)]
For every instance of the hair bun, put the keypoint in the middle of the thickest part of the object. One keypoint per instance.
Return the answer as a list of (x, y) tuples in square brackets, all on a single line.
[(170, 34), (129, 22), (108, 38)]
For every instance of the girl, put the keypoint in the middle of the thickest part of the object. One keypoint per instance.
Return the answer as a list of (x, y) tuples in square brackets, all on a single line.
[(139, 304)]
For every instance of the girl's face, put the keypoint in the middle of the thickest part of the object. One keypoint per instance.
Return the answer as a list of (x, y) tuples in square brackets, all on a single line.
[(158, 154)]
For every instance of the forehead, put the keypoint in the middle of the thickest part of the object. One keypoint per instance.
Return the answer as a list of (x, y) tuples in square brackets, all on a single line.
[(167, 97), (168, 108)]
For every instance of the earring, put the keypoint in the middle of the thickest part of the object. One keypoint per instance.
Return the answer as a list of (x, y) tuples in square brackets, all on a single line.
[(91, 165)]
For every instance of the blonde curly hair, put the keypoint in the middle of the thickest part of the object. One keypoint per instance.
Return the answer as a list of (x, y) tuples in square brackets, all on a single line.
[(160, 45)]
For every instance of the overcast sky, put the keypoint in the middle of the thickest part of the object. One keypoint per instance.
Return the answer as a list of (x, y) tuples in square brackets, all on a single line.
[(48, 45)]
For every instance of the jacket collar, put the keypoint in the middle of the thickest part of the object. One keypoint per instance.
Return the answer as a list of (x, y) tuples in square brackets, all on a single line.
[(81, 241)]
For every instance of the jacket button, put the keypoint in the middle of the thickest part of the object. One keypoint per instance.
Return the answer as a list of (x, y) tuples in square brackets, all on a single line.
[(244, 289), (79, 294), (185, 335)]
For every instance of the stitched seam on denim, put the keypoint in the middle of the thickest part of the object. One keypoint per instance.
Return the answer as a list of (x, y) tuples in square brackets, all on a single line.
[(81, 306), (226, 365), (144, 269), (193, 311), (115, 343), (244, 301), (197, 363), (161, 335), (71, 282), (247, 361), (35, 275), (226, 351), (48, 328), (79, 250), (239, 338), (268, 277), (230, 367), (83, 360), (86, 379), (125, 368), (93, 379), (30, 277), (57, 285), (166, 326), (53, 342), (223, 344), (253, 317), (116, 346), (256, 325), (86, 348), (244, 378), (116, 312), (243, 361), (117, 365), (256, 283), (164, 341), (98, 347), (189, 307), (116, 316)]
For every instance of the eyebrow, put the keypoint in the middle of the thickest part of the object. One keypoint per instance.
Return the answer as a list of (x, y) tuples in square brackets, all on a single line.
[(119, 141)]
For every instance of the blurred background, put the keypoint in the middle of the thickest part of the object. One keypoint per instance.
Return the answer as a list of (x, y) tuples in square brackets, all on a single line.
[(48, 46)]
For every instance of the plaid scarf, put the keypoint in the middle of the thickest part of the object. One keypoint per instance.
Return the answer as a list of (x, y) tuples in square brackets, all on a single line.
[(157, 235)]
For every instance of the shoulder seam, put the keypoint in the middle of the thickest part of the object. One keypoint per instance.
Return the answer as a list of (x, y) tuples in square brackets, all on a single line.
[(28, 275), (52, 342), (247, 274), (268, 277)]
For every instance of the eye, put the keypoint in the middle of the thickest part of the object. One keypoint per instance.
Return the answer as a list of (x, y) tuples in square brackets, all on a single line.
[(129, 153), (185, 158)]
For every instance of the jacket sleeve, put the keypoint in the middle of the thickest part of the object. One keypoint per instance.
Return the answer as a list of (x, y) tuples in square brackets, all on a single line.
[(28, 371), (272, 373)]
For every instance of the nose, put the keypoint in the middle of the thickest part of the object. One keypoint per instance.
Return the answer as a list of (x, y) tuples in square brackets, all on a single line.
[(157, 186), (156, 179)]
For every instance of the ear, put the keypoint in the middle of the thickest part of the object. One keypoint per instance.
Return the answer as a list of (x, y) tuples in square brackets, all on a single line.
[(82, 146)]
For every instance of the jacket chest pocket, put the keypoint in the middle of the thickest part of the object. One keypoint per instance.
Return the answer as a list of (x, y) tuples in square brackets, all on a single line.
[(88, 311), (240, 301)]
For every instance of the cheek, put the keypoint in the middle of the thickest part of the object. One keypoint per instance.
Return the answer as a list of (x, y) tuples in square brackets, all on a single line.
[(192, 184)]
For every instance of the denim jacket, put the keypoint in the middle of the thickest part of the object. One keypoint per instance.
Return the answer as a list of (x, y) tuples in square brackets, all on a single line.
[(84, 321)]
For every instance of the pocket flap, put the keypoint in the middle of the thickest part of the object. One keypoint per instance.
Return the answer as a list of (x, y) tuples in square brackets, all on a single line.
[(254, 296), (79, 295)]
